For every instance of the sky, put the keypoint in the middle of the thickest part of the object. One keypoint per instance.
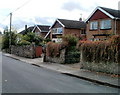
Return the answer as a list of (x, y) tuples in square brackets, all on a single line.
[(45, 12)]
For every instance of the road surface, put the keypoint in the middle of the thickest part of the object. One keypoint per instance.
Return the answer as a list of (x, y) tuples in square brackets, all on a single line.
[(20, 77)]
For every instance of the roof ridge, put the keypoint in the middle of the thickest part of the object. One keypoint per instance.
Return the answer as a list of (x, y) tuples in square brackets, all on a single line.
[(108, 8), (68, 19), (43, 25)]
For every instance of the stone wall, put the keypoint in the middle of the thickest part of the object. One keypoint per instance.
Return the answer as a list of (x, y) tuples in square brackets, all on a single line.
[(24, 51), (106, 67), (65, 57), (60, 59)]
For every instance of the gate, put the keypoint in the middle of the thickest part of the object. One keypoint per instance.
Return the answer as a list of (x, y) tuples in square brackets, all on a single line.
[(38, 51)]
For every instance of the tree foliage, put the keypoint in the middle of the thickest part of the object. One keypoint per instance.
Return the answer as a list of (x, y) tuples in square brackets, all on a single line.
[(29, 38), (7, 38)]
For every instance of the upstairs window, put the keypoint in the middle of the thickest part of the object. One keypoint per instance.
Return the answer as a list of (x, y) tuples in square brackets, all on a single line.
[(105, 24), (94, 25), (57, 30)]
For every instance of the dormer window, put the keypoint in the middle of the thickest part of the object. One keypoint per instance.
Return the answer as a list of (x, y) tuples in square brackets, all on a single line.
[(105, 24), (93, 25)]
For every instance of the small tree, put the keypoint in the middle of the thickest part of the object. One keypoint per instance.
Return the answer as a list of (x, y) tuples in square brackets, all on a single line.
[(29, 38), (71, 41), (7, 38)]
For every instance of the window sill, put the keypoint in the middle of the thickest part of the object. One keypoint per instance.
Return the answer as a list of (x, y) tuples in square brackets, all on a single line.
[(106, 29), (93, 29), (57, 33)]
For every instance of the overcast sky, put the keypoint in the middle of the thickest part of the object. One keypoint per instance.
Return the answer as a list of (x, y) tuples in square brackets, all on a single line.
[(45, 12)]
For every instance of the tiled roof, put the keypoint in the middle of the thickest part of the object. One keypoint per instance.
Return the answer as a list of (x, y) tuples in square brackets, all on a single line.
[(113, 12), (29, 29), (72, 24), (43, 28)]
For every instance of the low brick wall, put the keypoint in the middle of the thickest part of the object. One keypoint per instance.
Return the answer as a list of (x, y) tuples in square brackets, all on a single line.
[(24, 51)]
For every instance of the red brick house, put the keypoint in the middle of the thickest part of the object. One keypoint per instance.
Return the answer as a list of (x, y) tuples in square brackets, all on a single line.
[(63, 27), (103, 23), (41, 30)]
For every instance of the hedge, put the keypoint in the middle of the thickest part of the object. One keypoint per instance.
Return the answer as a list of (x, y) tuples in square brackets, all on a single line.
[(72, 57), (102, 51), (53, 49)]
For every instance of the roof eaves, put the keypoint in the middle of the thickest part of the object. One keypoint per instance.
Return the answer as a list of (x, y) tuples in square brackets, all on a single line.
[(99, 8), (47, 34), (34, 28), (61, 23), (53, 24), (38, 28), (106, 13), (91, 14)]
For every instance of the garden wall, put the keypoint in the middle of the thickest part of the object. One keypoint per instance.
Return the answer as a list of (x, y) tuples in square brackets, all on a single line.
[(59, 53), (60, 59), (24, 51)]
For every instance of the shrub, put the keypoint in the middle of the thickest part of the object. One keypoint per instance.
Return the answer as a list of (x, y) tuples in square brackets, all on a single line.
[(30, 37), (70, 39), (6, 40), (72, 56), (53, 49), (23, 42), (101, 51)]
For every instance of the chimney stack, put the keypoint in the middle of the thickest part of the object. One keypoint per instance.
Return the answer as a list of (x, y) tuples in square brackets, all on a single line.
[(25, 27), (80, 19), (119, 5)]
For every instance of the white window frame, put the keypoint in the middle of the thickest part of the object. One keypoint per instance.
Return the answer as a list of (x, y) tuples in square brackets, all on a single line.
[(94, 25), (57, 30), (105, 24)]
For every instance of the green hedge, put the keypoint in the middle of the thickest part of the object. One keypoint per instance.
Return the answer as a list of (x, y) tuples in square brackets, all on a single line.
[(72, 57)]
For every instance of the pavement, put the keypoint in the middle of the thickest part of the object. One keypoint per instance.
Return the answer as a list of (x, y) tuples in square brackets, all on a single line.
[(73, 70)]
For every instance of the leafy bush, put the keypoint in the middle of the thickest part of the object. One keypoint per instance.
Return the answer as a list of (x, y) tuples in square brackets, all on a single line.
[(47, 40), (23, 42), (53, 49), (70, 39), (30, 37), (6, 40), (72, 57)]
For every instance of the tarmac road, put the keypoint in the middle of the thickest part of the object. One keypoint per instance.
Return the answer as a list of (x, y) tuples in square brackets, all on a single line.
[(20, 77)]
